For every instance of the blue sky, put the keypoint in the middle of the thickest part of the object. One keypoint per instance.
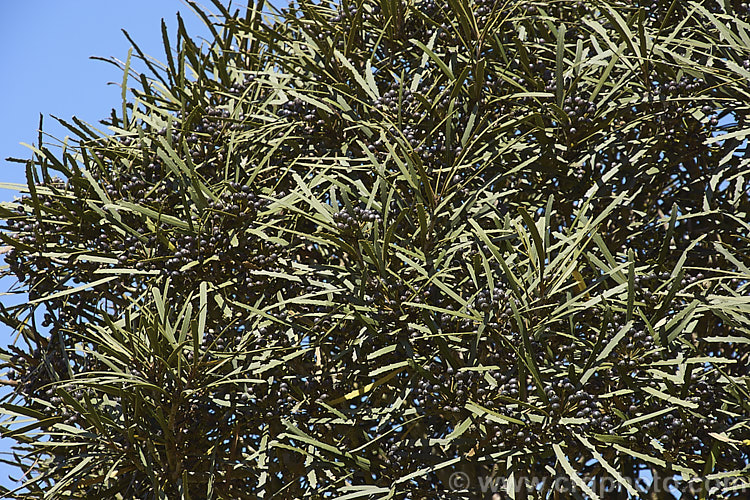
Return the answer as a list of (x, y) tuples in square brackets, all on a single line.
[(45, 47), (46, 66)]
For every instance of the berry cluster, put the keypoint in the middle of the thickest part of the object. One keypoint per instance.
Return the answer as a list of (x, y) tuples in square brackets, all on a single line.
[(354, 222)]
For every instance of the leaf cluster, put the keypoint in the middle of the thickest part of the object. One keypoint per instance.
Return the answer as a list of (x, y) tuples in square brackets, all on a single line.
[(352, 250)]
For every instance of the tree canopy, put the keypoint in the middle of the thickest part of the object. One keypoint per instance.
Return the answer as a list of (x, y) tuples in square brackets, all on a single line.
[(395, 249)]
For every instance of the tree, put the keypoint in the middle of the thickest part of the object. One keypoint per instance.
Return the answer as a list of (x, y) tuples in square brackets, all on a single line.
[(396, 250)]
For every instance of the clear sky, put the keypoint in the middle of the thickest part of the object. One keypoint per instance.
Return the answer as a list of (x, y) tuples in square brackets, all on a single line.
[(45, 47)]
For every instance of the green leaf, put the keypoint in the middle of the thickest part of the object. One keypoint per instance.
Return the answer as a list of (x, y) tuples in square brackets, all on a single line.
[(487, 414), (607, 466), (443, 67), (572, 473), (560, 66), (670, 399)]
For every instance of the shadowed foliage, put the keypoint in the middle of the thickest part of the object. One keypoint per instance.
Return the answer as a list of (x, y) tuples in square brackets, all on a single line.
[(395, 249)]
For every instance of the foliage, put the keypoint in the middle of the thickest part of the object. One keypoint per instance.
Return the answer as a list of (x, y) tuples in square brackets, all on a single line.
[(351, 250)]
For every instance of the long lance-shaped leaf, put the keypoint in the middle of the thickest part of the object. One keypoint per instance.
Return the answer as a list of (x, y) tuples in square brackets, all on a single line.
[(572, 473)]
